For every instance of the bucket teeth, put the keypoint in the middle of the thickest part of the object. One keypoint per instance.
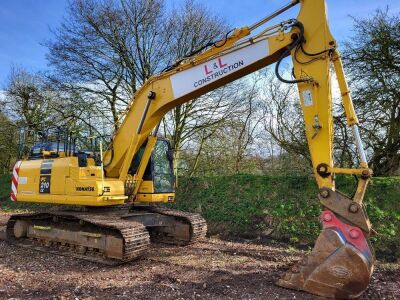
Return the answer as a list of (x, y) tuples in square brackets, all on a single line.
[(334, 269)]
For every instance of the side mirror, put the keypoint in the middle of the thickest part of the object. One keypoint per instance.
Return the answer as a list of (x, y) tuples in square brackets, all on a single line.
[(170, 155)]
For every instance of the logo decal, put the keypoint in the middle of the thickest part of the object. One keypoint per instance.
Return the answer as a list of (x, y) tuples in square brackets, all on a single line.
[(44, 185), (45, 176), (85, 189), (199, 76)]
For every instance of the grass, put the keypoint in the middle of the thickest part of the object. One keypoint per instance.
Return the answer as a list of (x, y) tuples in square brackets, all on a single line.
[(286, 208)]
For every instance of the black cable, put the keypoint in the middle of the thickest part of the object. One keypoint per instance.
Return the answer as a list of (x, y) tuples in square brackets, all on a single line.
[(209, 44), (225, 39), (170, 67), (194, 52), (297, 42), (314, 54), (303, 62), (112, 157)]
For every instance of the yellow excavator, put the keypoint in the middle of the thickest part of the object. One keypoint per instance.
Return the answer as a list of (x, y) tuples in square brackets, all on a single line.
[(123, 189)]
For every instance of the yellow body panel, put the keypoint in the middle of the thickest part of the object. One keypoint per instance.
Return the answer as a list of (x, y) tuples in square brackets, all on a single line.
[(155, 198), (67, 183), (146, 187), (72, 199), (146, 194)]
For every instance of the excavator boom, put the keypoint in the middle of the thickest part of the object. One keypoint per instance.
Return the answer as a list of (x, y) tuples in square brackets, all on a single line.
[(341, 263)]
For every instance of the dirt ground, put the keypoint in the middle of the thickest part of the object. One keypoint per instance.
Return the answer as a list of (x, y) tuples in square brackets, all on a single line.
[(213, 269)]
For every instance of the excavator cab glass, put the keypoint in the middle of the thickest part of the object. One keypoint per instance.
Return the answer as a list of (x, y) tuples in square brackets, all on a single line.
[(163, 176), (160, 166)]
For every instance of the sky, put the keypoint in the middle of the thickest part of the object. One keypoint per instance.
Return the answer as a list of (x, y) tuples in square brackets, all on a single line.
[(26, 24)]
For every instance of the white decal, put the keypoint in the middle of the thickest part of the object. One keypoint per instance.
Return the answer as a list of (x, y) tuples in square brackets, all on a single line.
[(202, 75), (14, 181), (27, 192), (307, 98), (22, 180)]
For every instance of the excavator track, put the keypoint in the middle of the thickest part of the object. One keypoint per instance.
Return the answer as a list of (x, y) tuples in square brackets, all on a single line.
[(95, 237), (197, 226), (109, 237)]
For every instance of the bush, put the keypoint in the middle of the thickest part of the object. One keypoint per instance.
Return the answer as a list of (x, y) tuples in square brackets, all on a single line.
[(286, 207), (5, 186)]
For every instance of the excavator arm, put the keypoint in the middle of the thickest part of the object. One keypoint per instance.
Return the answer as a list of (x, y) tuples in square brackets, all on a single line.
[(190, 79)]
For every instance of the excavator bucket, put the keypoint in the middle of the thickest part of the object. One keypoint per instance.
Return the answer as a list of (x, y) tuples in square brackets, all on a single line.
[(340, 265)]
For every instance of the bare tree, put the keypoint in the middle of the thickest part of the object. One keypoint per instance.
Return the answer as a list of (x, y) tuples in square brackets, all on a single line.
[(283, 117), (372, 58), (192, 27), (246, 122), (226, 146), (104, 50), (191, 124), (27, 101)]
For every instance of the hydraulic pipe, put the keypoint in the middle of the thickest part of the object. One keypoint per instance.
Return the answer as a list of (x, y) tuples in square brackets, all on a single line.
[(359, 145), (150, 98), (274, 14)]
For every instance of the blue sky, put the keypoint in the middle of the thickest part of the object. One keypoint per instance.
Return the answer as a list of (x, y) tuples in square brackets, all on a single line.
[(24, 24)]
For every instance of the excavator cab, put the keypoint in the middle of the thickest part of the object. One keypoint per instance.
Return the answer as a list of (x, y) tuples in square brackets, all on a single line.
[(158, 183), (48, 143)]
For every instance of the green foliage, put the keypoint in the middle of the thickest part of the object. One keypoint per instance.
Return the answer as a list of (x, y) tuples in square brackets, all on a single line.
[(244, 205), (5, 186), (8, 143)]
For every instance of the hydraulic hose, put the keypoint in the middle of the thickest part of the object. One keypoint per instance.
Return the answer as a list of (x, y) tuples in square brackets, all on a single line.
[(299, 40)]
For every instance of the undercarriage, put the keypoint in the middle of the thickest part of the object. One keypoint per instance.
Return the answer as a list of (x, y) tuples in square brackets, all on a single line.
[(107, 236)]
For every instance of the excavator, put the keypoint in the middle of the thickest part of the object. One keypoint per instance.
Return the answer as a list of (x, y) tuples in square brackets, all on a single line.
[(122, 193)]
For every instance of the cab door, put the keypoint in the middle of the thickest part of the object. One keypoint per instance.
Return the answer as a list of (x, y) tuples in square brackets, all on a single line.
[(162, 167)]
